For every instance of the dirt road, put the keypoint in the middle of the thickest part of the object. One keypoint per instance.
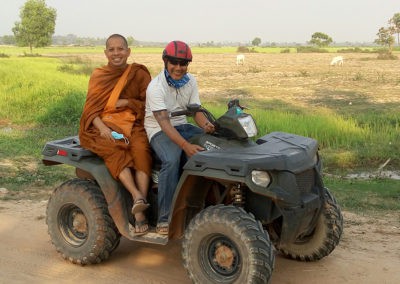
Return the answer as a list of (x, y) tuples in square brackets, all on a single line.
[(368, 253)]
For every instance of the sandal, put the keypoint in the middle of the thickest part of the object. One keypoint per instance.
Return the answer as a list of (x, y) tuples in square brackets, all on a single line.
[(139, 206), (139, 226), (162, 228)]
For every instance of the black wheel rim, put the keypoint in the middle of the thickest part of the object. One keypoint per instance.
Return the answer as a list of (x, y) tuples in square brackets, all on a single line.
[(220, 256), (73, 225)]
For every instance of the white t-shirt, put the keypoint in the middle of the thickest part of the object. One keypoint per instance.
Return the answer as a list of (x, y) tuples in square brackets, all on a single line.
[(161, 96)]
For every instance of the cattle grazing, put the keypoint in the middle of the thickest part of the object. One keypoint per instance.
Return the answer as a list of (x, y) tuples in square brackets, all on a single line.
[(240, 59), (338, 60)]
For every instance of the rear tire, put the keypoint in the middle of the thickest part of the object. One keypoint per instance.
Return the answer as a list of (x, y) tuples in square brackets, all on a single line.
[(225, 244), (79, 224), (324, 238)]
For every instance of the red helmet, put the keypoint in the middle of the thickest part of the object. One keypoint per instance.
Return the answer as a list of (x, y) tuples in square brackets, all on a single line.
[(178, 50)]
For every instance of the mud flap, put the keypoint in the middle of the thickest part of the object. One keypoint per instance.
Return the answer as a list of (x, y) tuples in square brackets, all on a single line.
[(296, 220)]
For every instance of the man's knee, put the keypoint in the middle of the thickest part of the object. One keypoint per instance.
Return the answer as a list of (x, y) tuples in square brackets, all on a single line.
[(173, 163)]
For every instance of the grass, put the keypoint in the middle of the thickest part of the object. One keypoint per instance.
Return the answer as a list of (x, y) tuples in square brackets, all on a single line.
[(371, 196), (33, 91), (353, 112)]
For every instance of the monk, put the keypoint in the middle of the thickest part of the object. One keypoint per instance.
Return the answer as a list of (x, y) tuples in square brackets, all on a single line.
[(129, 159)]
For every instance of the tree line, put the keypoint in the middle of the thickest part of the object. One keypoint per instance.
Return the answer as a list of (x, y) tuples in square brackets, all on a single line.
[(37, 25)]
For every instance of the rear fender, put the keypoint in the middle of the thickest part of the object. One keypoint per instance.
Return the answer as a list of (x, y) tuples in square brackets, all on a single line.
[(113, 191)]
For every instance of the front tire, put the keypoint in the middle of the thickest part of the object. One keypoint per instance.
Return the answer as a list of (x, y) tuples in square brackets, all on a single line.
[(225, 244), (79, 224), (324, 238)]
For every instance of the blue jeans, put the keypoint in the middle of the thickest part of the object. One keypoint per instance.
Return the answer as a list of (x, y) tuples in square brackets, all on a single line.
[(170, 156)]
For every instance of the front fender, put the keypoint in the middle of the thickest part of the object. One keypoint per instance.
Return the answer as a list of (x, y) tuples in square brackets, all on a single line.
[(190, 196)]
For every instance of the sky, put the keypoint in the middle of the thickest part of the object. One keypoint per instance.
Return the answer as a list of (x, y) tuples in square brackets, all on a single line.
[(278, 21)]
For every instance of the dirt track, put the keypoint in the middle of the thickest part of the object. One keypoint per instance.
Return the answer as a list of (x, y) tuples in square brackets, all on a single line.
[(368, 253)]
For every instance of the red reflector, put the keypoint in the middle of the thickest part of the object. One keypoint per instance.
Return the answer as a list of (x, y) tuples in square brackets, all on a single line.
[(62, 153)]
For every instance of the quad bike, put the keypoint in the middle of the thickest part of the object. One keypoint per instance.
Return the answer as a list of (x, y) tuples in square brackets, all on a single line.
[(234, 203)]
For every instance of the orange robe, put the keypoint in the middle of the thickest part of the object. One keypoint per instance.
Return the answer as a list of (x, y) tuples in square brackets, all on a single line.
[(117, 155)]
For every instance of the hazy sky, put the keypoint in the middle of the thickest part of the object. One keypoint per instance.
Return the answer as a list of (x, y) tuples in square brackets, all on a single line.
[(215, 20)]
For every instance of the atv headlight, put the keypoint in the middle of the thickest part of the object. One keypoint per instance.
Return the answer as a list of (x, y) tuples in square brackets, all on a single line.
[(260, 178), (248, 125)]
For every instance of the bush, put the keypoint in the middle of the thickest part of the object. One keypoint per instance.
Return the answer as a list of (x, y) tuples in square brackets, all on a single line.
[(31, 54), (310, 49), (77, 66), (68, 68), (386, 56), (243, 49), (355, 50)]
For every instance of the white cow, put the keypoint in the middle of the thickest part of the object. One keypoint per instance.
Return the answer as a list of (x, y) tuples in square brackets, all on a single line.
[(338, 60), (240, 59)]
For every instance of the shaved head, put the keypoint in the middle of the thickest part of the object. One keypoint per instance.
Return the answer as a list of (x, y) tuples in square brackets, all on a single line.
[(117, 36)]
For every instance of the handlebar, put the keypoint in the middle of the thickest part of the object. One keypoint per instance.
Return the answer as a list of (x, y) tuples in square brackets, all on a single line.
[(179, 112), (191, 110)]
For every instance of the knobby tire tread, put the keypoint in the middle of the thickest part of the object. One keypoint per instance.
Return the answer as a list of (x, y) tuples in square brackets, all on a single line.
[(245, 232), (100, 242)]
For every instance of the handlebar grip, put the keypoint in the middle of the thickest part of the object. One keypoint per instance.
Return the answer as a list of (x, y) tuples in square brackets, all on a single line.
[(178, 113)]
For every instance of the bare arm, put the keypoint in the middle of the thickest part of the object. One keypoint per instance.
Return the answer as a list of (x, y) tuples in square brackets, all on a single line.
[(121, 103), (105, 131), (166, 126)]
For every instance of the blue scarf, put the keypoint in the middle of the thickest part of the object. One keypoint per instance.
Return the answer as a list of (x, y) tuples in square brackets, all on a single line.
[(176, 83)]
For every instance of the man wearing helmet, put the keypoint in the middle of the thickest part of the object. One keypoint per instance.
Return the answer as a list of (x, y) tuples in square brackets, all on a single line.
[(172, 90)]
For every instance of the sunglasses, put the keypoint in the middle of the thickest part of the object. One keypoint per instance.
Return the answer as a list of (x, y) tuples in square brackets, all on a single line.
[(182, 63)]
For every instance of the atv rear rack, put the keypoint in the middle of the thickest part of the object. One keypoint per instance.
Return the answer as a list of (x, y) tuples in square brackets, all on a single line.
[(68, 147)]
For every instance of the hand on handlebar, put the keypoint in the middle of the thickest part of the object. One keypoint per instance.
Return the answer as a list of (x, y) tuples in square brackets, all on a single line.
[(209, 127)]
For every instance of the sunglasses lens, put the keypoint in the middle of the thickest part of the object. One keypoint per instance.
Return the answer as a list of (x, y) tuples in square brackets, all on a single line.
[(178, 62)]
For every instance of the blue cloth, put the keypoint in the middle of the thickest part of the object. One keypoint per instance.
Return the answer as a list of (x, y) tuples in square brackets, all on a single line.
[(176, 83), (172, 160)]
